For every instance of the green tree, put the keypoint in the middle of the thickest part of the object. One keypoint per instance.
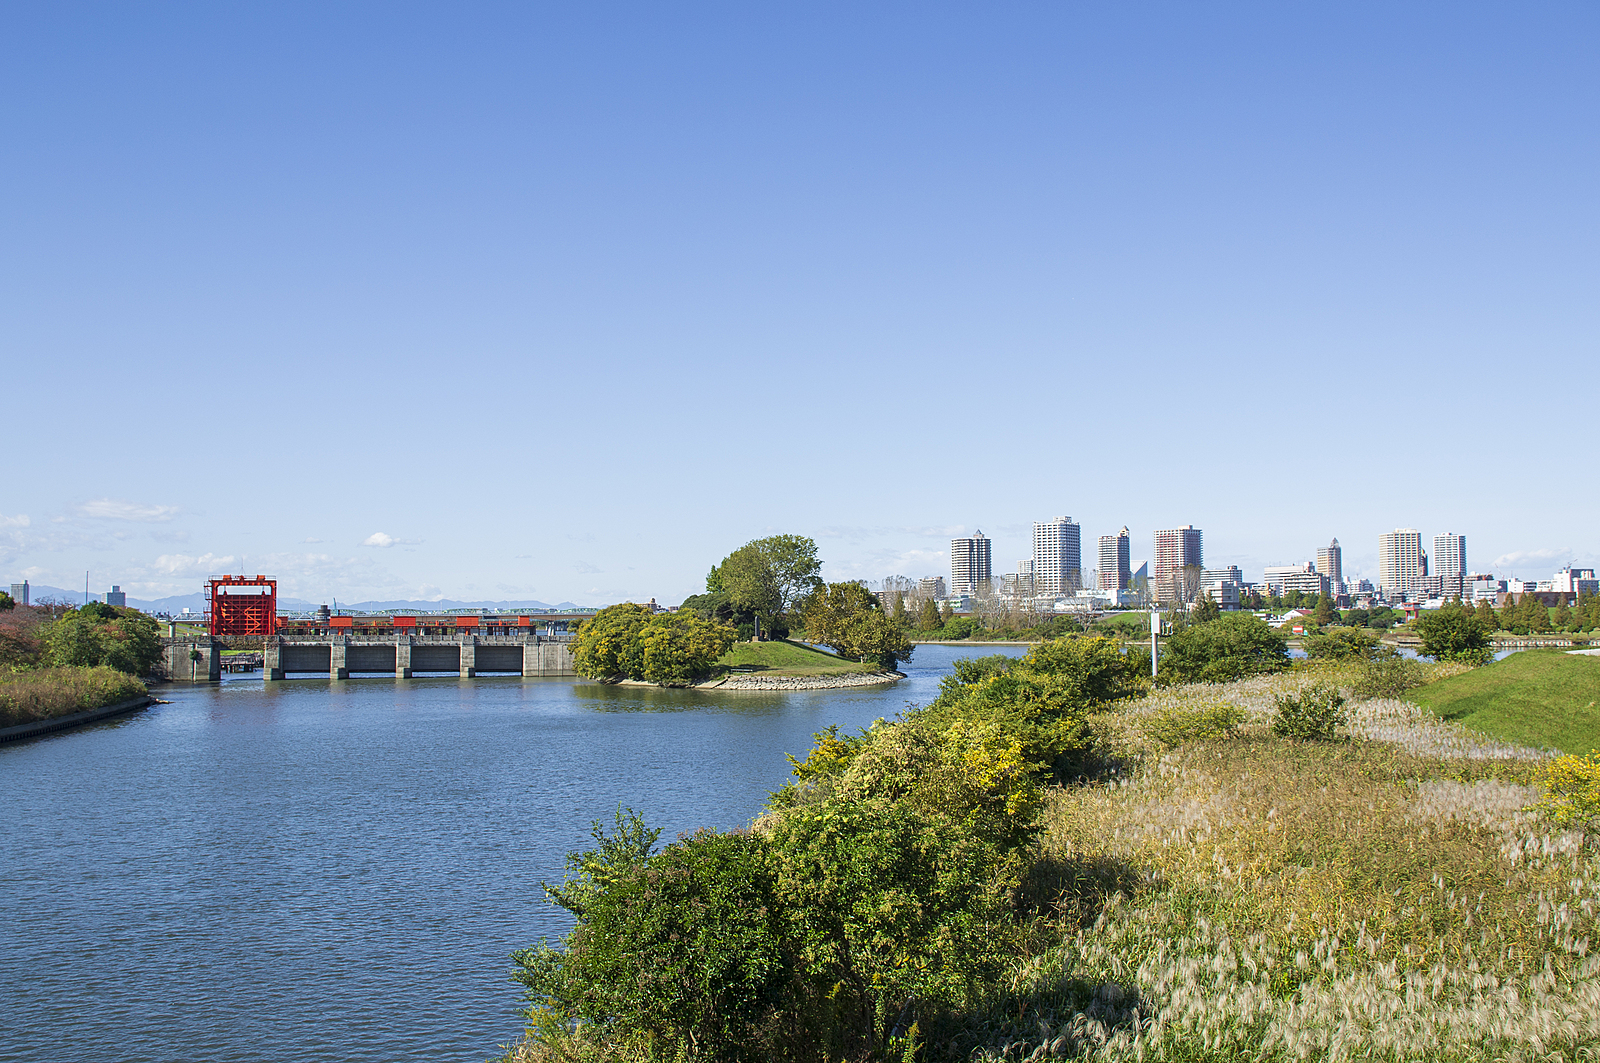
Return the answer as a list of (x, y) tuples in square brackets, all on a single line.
[(607, 644), (1562, 618), (946, 614), (845, 617), (1453, 633), (1588, 612), (677, 648), (7, 603), (1324, 613), (768, 578), (1486, 615), (1533, 613), (100, 634), (899, 613), (928, 615), (875, 637), (1205, 610), (628, 641), (832, 609), (1508, 614), (1234, 646), (1344, 644)]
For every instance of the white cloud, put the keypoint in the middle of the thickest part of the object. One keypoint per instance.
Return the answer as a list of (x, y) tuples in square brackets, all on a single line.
[(116, 509), (383, 540), (585, 567), (19, 521), (186, 565), (310, 539), (1532, 557)]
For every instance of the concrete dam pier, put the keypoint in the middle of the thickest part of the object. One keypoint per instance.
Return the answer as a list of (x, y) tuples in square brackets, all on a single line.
[(401, 655)]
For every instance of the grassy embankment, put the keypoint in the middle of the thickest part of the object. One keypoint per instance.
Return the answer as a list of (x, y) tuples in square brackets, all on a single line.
[(1238, 895), (50, 692), (1542, 698), (788, 658)]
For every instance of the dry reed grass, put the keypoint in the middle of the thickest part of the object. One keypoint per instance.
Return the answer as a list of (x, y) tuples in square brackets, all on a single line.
[(1390, 897), (50, 692)]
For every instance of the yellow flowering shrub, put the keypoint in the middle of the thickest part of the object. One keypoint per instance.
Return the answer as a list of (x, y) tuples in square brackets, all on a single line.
[(1572, 791)]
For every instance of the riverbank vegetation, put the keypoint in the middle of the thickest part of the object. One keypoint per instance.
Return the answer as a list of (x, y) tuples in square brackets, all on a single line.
[(1056, 859), (56, 660), (46, 693)]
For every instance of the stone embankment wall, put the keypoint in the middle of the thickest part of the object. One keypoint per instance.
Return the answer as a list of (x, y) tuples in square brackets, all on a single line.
[(806, 682)]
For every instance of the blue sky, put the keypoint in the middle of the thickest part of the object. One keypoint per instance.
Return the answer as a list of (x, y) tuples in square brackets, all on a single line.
[(567, 302)]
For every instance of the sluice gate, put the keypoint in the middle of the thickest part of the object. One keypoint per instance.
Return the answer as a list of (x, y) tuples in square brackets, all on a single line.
[(401, 655)]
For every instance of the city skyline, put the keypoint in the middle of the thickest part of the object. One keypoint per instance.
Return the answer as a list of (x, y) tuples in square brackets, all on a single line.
[(1543, 566)]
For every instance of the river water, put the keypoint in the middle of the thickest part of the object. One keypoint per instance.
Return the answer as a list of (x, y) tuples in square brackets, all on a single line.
[(338, 871)]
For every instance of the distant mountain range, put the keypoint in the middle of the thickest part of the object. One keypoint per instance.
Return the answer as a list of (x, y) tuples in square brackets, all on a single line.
[(196, 603)]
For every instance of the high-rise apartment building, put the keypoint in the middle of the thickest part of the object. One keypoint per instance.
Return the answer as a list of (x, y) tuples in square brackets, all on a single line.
[(1449, 563), (932, 587), (19, 593), (1304, 577), (1057, 556), (1330, 562), (970, 564), (1177, 549), (1116, 567), (116, 597), (1402, 566)]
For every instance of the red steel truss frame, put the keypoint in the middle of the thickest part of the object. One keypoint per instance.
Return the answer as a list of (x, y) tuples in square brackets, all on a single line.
[(252, 615)]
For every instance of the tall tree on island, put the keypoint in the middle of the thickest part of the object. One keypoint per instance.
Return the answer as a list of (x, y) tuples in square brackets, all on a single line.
[(770, 577), (764, 580)]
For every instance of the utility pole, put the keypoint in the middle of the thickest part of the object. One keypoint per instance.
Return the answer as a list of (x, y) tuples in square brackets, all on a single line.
[(1155, 629)]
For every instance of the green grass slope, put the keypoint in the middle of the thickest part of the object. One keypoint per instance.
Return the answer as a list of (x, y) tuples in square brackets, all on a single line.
[(1543, 698), (788, 658)]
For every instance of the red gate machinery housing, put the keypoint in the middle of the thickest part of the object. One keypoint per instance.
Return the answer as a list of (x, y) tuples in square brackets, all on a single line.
[(243, 605)]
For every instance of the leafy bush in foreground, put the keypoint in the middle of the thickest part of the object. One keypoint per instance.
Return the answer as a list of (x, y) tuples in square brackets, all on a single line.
[(50, 692), (1389, 678), (1231, 647), (1175, 726), (682, 949), (1312, 714), (877, 897)]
